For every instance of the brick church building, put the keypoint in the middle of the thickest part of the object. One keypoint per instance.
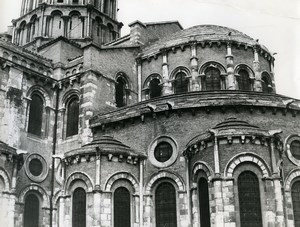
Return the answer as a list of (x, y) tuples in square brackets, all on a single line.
[(163, 127)]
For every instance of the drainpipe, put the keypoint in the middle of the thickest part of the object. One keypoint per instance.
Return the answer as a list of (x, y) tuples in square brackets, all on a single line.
[(53, 153)]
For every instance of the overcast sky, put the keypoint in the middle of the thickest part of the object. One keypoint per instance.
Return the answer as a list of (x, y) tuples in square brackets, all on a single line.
[(276, 23)]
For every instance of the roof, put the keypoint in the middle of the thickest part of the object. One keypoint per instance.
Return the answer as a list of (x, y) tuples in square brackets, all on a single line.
[(202, 33), (106, 145)]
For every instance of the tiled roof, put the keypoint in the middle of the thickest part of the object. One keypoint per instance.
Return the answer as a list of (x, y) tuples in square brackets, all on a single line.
[(201, 33)]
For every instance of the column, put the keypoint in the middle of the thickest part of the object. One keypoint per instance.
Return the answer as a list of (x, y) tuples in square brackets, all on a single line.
[(167, 87), (195, 86), (139, 74), (231, 80), (188, 200), (98, 169), (257, 85), (141, 216), (194, 204)]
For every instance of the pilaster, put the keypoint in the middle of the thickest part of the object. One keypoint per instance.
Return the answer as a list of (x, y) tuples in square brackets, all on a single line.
[(231, 80), (257, 86), (195, 86), (167, 87)]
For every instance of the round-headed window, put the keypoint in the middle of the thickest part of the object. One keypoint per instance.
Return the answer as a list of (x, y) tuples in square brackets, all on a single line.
[(295, 149), (163, 152), (36, 168)]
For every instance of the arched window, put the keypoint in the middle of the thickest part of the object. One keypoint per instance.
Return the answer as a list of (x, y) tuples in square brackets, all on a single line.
[(122, 207), (72, 116), (181, 83), (112, 33), (204, 202), (154, 88), (249, 200), (35, 115), (121, 92), (266, 83), (244, 81), (212, 79), (31, 211), (296, 202), (165, 205), (79, 208)]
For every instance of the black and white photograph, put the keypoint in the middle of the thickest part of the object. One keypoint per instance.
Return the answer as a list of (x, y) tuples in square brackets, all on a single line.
[(148, 113)]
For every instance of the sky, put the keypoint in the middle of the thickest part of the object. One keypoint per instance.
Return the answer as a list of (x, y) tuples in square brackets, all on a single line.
[(276, 23)]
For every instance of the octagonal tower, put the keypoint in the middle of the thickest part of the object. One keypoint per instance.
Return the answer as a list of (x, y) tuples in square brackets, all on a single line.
[(81, 21)]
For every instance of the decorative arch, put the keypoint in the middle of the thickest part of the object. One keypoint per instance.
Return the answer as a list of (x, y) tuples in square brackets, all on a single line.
[(198, 166), (56, 12), (151, 77), (246, 67), (246, 157), (34, 188), (164, 174), (42, 92), (81, 177), (5, 54), (68, 95), (291, 176), (74, 13), (125, 77), (120, 176), (179, 69), (213, 64), (5, 176)]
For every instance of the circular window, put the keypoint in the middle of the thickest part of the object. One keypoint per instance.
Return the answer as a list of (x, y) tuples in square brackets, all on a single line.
[(293, 149), (163, 152), (36, 168)]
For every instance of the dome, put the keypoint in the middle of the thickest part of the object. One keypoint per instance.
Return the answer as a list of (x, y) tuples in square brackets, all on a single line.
[(234, 123), (106, 145), (202, 33)]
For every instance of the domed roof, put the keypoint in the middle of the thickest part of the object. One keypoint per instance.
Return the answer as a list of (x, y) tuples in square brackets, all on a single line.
[(106, 145), (233, 122), (201, 33)]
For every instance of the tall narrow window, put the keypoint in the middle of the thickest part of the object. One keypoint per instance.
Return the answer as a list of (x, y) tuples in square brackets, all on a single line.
[(79, 208), (121, 207), (35, 115), (249, 200), (296, 202), (165, 205), (212, 79), (244, 81), (204, 203), (31, 211), (181, 83), (154, 88), (72, 116), (121, 92), (266, 82), (106, 6)]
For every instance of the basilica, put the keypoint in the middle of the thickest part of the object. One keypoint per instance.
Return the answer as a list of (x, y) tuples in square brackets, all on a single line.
[(164, 127)]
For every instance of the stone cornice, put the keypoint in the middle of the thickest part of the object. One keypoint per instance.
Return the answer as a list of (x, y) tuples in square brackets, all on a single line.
[(208, 101)]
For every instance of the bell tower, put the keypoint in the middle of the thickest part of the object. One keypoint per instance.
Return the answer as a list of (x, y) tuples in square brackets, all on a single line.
[(81, 21)]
